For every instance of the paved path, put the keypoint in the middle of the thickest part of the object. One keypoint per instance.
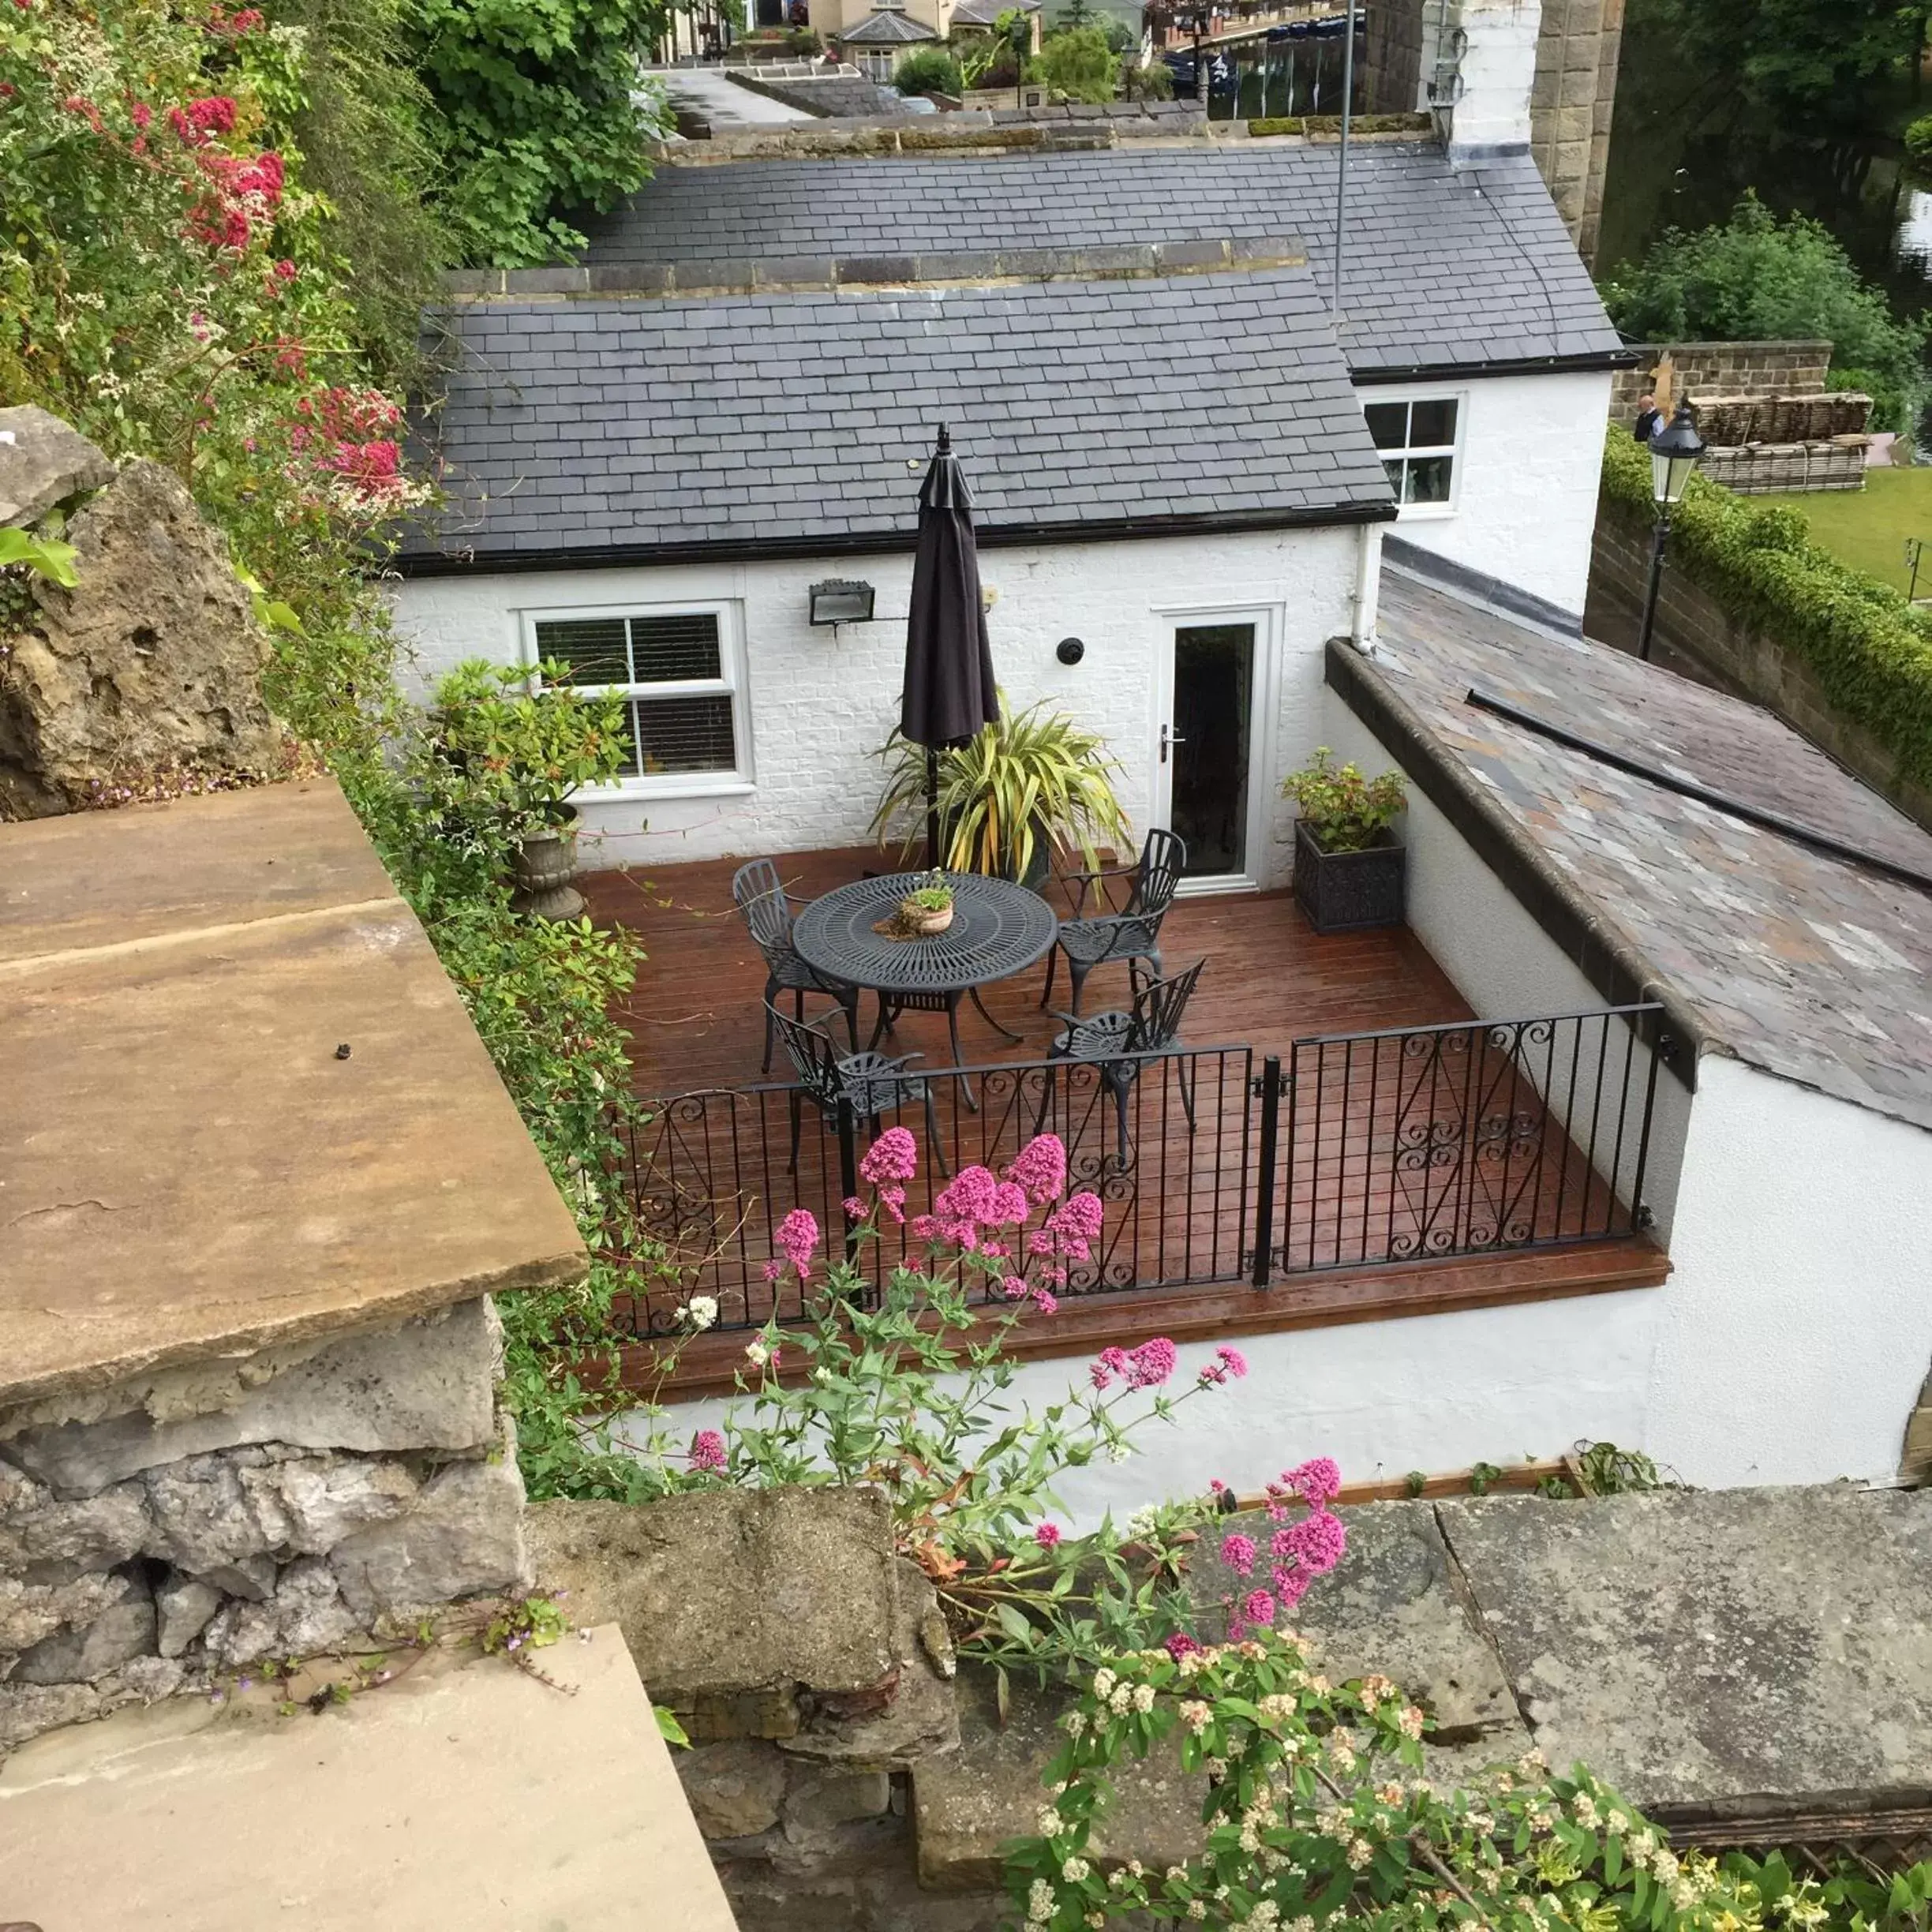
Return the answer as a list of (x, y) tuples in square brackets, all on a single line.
[(723, 102)]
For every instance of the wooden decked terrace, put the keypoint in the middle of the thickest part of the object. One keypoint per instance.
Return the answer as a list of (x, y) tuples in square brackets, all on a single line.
[(1419, 1166)]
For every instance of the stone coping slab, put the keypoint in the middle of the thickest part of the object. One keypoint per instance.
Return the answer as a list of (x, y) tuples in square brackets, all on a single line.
[(1727, 1652), (187, 1168), (466, 1794)]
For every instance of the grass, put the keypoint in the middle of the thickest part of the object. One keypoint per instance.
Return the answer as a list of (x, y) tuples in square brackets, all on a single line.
[(1867, 528)]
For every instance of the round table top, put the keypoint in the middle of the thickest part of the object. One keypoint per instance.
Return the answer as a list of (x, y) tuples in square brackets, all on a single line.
[(998, 929)]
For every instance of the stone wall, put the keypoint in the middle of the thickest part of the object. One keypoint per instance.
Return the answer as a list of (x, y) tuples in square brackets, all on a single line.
[(1742, 658), (165, 1532), (1723, 369)]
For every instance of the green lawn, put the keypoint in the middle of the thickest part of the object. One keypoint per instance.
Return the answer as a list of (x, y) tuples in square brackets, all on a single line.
[(1867, 528)]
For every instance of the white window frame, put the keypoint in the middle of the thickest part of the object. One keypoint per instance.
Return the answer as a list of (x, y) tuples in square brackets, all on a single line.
[(1426, 512), (732, 662)]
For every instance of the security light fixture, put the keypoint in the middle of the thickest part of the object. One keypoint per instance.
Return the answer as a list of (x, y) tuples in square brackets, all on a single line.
[(842, 600), (1674, 454), (1069, 650)]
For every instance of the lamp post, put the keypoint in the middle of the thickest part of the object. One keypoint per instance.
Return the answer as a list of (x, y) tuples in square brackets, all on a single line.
[(1674, 453)]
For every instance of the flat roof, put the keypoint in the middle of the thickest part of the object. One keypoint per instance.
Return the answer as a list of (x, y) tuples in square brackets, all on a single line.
[(186, 1167)]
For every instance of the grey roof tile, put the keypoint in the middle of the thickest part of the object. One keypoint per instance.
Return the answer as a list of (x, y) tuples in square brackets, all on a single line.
[(1440, 266), (1241, 404)]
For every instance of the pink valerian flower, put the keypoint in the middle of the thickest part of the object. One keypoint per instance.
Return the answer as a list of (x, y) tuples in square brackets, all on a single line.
[(969, 1197), (1178, 1643), (1110, 1364), (80, 104), (853, 1207), (1291, 1586), (1040, 1167), (893, 1156), (1318, 1542), (1047, 1303), (772, 1270), (1237, 1630), (797, 1236), (1232, 1360), (1010, 1206), (1151, 1363), (996, 1251), (1316, 1481), (285, 271), (893, 1201), (1014, 1288), (1216, 1486), (141, 115), (214, 114), (707, 1449), (1237, 1552), (1046, 1535), (1258, 1606)]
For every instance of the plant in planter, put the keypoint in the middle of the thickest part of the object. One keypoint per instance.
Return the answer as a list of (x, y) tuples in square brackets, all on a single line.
[(509, 749), (928, 907), (1349, 870), (1009, 796)]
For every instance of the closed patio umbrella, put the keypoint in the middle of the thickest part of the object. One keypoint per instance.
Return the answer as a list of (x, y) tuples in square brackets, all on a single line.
[(949, 691)]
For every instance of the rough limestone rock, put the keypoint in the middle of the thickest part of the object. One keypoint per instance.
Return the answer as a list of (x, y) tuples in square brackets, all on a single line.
[(427, 1384), (327, 1500), (26, 1710), (153, 663), (122, 1631), (183, 1606), (733, 1601), (93, 1534), (205, 1521), (30, 1613), (304, 1616), (44, 462), (462, 1536), (735, 1788)]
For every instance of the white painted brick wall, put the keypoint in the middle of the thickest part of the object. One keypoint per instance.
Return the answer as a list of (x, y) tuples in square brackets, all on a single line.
[(1499, 70), (821, 703)]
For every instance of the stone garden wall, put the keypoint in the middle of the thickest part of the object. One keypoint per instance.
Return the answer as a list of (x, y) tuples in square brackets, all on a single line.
[(163, 1533)]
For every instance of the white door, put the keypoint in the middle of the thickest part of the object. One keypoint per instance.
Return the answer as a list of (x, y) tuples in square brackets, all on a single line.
[(1212, 754)]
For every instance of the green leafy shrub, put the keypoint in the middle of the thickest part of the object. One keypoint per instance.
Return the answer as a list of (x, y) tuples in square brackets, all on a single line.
[(928, 70), (1346, 811), (1871, 652), (532, 109), (1152, 82), (512, 751), (1078, 62), (1754, 279), (1316, 1816)]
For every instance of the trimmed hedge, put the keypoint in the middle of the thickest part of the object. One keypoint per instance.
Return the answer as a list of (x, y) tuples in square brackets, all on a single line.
[(1871, 650)]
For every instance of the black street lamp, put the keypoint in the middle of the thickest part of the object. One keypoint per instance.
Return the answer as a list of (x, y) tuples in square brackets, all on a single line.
[(1674, 454)]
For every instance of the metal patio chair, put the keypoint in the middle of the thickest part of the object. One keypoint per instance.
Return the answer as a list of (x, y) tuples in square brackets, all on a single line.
[(760, 895), (1129, 930), (1111, 1043), (873, 1084)]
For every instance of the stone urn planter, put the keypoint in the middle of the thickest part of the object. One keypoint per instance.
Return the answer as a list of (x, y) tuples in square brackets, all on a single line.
[(1349, 891), (924, 922), (544, 865)]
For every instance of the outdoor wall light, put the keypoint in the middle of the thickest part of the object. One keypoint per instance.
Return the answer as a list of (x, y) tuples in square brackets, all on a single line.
[(1069, 650), (1674, 454), (842, 600)]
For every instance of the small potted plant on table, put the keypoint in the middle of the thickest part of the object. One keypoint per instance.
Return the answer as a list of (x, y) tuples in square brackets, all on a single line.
[(509, 746), (927, 908), (1350, 871)]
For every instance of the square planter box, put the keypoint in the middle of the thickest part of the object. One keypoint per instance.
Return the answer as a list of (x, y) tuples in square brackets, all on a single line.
[(1345, 891)]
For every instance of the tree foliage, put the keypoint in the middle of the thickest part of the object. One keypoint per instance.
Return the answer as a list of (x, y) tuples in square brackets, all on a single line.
[(928, 70), (1078, 62), (1755, 279), (539, 112), (1813, 58)]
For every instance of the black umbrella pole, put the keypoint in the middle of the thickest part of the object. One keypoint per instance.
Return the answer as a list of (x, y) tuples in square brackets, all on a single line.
[(932, 807)]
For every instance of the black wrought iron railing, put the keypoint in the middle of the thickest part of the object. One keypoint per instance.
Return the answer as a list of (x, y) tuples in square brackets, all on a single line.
[(1352, 1150)]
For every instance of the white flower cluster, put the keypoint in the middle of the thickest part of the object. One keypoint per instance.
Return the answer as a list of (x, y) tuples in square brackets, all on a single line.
[(698, 1313), (1039, 1902)]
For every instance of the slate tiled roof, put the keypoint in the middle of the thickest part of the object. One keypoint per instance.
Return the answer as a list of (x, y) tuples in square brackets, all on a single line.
[(1442, 267), (890, 29), (645, 427), (1800, 964)]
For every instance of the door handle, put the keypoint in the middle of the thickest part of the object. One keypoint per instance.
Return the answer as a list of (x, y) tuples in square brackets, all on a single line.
[(1169, 737)]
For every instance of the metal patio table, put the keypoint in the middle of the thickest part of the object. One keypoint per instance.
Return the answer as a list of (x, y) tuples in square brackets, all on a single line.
[(998, 929)]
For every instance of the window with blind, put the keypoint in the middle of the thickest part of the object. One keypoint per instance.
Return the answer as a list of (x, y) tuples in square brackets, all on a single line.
[(1419, 438), (677, 671)]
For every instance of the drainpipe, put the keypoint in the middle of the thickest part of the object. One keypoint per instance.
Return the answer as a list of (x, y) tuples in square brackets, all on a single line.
[(1367, 587)]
